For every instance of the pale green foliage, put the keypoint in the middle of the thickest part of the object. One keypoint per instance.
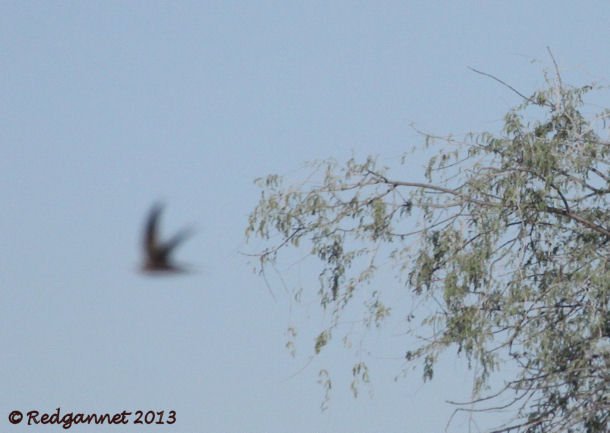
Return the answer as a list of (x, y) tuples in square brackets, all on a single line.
[(506, 241), (360, 372)]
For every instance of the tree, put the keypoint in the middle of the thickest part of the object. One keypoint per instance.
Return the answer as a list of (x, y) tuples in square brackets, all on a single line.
[(506, 243)]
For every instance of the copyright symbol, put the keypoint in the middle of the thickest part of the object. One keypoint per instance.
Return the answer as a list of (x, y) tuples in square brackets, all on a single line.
[(15, 417)]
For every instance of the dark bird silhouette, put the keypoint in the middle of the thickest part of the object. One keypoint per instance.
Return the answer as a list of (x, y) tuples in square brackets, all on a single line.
[(156, 253)]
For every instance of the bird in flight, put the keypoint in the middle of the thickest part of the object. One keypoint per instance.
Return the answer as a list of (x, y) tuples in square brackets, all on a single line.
[(156, 253)]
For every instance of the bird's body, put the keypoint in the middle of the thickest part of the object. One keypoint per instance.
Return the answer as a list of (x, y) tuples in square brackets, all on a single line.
[(156, 253)]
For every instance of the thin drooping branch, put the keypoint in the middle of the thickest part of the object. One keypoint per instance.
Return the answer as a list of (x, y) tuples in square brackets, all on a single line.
[(573, 216), (504, 84), (466, 198)]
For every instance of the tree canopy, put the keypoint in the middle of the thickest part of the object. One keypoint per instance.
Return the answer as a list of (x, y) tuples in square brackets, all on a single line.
[(505, 239)]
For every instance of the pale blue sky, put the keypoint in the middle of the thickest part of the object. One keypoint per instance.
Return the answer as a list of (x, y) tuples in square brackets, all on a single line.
[(107, 106)]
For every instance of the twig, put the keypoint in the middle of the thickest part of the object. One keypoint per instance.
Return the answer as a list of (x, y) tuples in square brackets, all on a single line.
[(556, 67), (505, 84)]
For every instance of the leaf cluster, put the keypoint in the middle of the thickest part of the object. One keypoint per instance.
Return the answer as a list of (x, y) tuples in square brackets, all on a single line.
[(506, 240)]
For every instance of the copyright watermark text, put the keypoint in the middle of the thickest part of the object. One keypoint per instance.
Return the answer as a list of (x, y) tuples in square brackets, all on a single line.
[(69, 419)]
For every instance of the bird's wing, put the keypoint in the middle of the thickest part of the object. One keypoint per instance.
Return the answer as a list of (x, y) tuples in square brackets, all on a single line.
[(150, 240), (178, 238)]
